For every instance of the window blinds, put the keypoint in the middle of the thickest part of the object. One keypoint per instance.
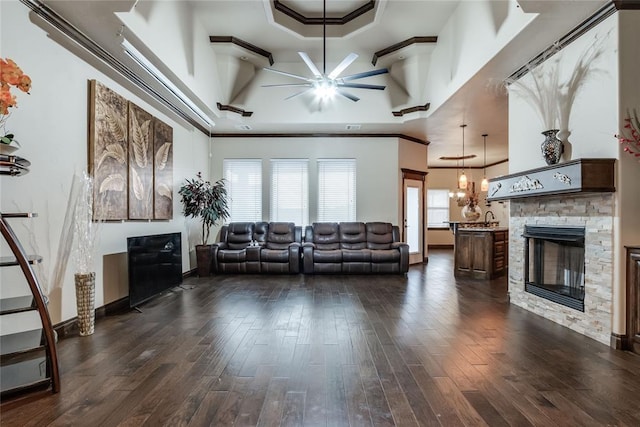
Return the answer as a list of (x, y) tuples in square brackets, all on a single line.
[(336, 190), (290, 191), (244, 186)]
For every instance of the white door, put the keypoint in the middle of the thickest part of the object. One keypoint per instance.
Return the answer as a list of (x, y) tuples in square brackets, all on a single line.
[(413, 214)]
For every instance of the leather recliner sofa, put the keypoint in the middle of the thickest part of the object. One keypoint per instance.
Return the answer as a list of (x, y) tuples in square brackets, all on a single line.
[(260, 247), (354, 247)]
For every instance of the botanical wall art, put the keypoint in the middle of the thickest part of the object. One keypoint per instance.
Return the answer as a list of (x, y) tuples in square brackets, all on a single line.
[(108, 136), (163, 170), (140, 163), (130, 159)]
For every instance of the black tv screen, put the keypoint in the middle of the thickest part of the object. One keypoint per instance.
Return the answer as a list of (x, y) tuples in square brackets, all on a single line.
[(155, 265)]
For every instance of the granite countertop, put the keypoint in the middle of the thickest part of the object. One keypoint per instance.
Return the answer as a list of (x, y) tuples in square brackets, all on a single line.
[(484, 229)]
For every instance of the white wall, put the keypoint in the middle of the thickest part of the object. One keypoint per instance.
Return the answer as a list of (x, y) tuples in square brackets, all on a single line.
[(51, 125), (377, 195), (594, 114)]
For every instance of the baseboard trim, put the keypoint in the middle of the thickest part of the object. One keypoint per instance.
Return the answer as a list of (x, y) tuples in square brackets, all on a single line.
[(440, 246), (619, 342), (70, 327), (190, 273)]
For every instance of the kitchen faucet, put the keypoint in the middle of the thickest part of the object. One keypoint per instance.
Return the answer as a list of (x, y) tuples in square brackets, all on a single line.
[(493, 217)]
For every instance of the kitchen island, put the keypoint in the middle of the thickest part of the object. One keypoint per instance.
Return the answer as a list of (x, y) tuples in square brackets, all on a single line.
[(481, 252)]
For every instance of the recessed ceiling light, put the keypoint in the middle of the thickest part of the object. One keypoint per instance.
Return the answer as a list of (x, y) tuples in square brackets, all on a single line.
[(353, 127), (244, 58)]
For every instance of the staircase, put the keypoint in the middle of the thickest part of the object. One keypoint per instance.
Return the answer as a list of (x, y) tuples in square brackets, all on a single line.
[(28, 358)]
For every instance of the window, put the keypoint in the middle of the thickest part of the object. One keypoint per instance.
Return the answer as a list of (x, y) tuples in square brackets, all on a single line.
[(437, 208), (336, 190), (290, 191), (244, 186)]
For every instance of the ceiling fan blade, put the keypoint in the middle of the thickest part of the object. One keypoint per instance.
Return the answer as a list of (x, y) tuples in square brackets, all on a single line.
[(284, 73), (289, 85), (365, 74), (347, 95), (361, 86), (310, 64), (341, 66), (297, 94)]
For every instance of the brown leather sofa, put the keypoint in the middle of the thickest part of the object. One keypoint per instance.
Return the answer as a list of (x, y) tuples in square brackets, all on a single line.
[(260, 247), (354, 247)]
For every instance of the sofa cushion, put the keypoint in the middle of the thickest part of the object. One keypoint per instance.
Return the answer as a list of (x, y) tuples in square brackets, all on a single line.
[(385, 255), (232, 255), (353, 235), (280, 235), (332, 255), (274, 255), (356, 255), (379, 235), (326, 236), (239, 234)]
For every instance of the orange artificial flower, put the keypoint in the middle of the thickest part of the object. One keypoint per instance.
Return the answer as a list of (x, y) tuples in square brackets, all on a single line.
[(11, 75)]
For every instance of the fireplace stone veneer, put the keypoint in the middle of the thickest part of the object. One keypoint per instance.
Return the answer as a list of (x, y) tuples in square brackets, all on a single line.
[(594, 212)]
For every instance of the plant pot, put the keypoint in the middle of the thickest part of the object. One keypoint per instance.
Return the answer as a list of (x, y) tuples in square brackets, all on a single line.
[(85, 302), (203, 260), (7, 149)]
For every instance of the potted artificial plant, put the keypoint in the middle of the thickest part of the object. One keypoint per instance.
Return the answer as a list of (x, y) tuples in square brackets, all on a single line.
[(201, 199)]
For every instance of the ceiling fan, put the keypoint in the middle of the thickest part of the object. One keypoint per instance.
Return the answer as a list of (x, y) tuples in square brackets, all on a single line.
[(325, 85)]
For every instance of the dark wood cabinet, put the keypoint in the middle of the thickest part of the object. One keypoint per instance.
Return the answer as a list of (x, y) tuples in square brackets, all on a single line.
[(481, 253), (633, 298)]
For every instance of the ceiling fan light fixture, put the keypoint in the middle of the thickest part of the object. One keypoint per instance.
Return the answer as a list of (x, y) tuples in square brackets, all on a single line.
[(325, 89)]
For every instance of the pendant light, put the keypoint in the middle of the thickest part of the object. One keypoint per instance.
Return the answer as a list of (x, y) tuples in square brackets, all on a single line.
[(462, 181), (484, 186)]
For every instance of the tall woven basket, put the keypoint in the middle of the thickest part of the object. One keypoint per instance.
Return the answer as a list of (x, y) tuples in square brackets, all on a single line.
[(86, 301)]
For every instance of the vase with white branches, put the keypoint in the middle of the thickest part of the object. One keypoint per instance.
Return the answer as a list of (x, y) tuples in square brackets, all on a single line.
[(551, 97), (85, 234)]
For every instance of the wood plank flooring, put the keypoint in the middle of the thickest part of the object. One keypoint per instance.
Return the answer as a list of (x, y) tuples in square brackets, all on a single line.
[(265, 350)]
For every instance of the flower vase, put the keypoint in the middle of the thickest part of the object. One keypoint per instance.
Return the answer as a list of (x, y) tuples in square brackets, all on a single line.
[(85, 302), (471, 212), (552, 147)]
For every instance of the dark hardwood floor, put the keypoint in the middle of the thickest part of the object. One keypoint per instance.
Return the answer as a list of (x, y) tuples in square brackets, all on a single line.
[(421, 349)]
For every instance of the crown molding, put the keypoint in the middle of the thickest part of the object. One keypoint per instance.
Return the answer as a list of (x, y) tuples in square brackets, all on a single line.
[(321, 135)]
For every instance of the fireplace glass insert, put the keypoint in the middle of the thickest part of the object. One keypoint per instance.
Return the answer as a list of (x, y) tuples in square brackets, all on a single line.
[(554, 264)]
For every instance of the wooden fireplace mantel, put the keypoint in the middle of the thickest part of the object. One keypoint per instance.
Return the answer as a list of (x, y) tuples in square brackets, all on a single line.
[(575, 176)]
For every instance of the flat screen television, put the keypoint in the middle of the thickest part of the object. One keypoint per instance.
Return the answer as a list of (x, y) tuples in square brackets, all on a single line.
[(155, 265)]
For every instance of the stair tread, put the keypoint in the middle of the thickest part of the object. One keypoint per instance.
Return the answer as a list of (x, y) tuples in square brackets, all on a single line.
[(7, 261), (43, 383), (19, 342), (23, 370), (21, 355), (16, 304), (19, 214)]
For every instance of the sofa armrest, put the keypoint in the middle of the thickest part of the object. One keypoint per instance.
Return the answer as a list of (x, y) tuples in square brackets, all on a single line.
[(404, 255), (214, 254), (307, 257), (294, 257), (253, 253)]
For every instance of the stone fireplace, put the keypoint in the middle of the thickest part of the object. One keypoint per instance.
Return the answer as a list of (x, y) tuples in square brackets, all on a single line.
[(561, 242), (593, 213)]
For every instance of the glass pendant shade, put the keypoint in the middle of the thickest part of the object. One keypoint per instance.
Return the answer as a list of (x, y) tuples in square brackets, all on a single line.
[(484, 185), (462, 181)]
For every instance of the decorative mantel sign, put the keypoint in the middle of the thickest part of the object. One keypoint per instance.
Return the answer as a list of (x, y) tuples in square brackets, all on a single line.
[(576, 176)]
